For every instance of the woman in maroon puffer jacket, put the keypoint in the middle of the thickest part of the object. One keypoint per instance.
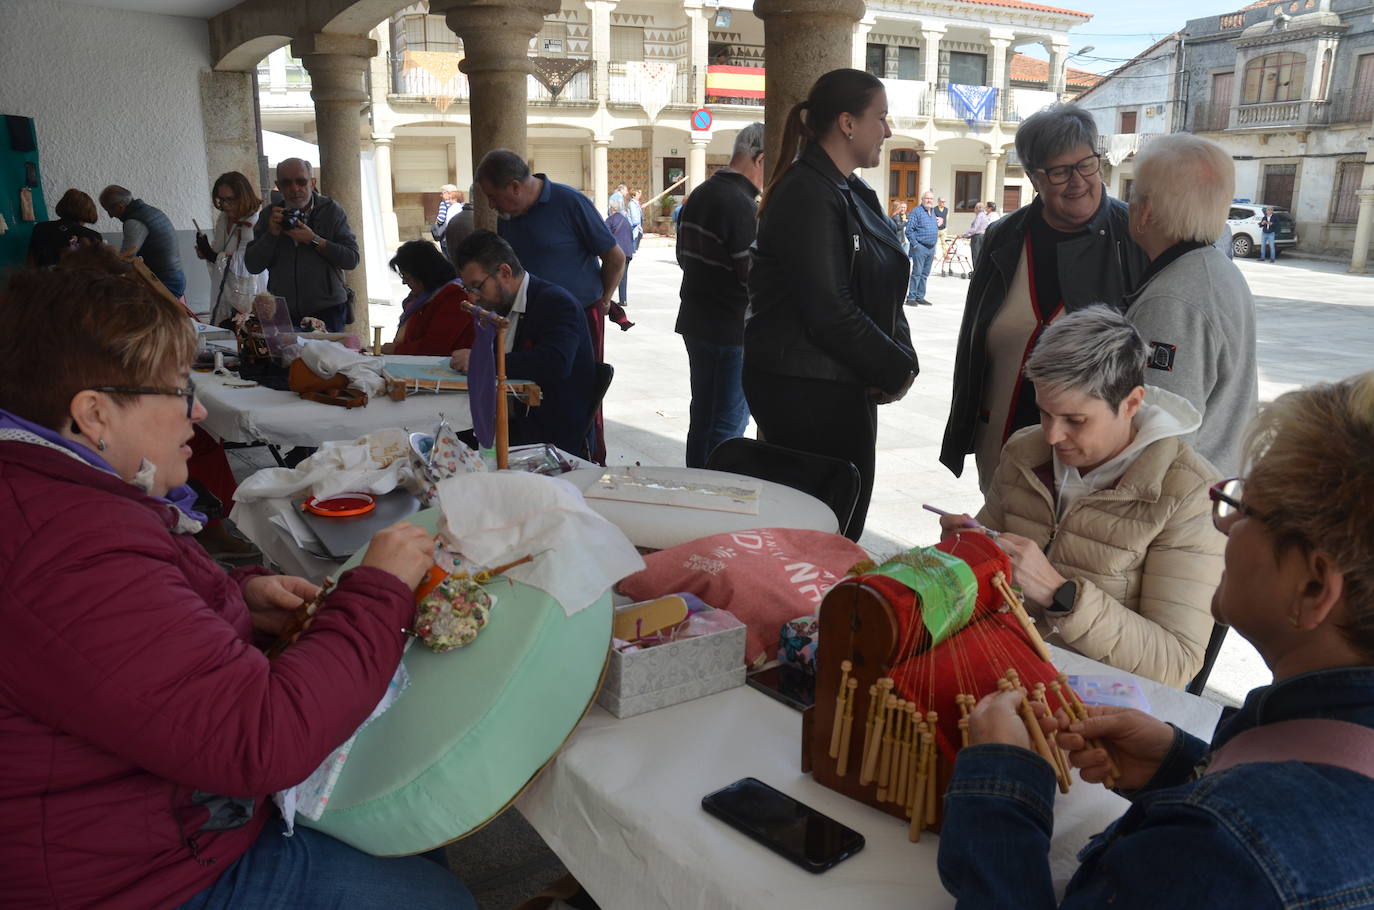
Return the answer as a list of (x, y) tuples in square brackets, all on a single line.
[(142, 730)]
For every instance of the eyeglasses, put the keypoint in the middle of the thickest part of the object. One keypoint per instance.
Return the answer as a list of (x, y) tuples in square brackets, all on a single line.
[(477, 288), (1227, 506), (293, 181), (189, 392), (222, 201), (1062, 174)]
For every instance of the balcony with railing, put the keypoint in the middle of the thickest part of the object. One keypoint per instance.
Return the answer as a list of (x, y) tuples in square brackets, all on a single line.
[(1281, 113), (628, 85), (580, 89), (1352, 105), (908, 102), (1209, 116), (435, 75), (289, 91), (1020, 103)]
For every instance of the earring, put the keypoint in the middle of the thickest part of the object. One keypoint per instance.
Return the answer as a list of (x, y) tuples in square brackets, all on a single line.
[(1293, 619), (100, 444), (851, 137)]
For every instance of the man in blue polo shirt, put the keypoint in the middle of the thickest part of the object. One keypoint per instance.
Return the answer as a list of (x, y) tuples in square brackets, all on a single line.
[(558, 235)]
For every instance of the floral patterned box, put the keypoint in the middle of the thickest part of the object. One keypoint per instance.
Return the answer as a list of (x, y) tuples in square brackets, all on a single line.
[(667, 674)]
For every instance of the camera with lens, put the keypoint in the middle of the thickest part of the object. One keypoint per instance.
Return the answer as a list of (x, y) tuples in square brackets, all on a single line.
[(1161, 356), (291, 219)]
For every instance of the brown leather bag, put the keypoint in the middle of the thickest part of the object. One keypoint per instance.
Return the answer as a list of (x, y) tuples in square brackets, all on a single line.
[(313, 387)]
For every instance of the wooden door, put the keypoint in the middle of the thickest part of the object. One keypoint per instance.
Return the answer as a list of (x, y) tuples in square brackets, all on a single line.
[(1278, 185), (1011, 199), (904, 178)]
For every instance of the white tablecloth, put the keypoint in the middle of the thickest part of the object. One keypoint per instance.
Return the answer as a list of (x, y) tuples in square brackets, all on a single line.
[(621, 806), (663, 526), (260, 414)]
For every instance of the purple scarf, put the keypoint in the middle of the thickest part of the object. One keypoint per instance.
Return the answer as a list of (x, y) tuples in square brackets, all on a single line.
[(183, 497), (482, 384), (417, 300)]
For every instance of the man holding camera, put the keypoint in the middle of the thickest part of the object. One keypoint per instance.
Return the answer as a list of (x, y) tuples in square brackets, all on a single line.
[(304, 240)]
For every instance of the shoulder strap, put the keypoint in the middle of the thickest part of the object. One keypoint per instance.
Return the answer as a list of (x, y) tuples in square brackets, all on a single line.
[(1318, 741)]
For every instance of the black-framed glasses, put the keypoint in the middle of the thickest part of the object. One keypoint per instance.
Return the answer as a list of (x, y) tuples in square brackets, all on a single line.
[(477, 288), (1228, 505), (1063, 173), (188, 392), (222, 201)]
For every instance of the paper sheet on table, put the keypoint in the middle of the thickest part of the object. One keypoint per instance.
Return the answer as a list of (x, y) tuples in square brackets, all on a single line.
[(499, 517), (671, 489)]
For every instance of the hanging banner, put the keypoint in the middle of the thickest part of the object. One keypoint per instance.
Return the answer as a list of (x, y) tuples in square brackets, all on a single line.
[(974, 104), (735, 82)]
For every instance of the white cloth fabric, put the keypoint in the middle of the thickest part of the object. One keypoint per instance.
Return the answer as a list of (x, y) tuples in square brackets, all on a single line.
[(328, 358), (491, 519), (232, 286), (376, 463), (1163, 414), (1120, 146), (655, 80)]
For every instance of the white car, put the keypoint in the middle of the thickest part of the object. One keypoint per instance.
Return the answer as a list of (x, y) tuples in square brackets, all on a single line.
[(1244, 222)]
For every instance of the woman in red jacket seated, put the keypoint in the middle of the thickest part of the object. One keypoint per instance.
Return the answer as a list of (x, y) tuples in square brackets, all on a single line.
[(432, 318), (142, 729)]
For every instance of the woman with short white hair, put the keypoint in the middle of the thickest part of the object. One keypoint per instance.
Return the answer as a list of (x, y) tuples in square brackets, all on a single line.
[(1103, 507), (1193, 305)]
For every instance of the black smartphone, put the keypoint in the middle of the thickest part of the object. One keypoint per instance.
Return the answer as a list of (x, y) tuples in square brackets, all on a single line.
[(785, 683), (792, 830)]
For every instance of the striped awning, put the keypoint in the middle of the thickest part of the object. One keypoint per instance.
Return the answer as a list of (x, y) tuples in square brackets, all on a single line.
[(734, 81)]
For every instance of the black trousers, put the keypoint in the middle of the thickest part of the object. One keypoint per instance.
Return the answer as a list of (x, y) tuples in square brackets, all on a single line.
[(820, 416)]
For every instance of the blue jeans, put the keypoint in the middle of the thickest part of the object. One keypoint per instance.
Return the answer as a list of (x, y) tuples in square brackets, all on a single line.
[(313, 871), (921, 259), (1267, 243), (719, 411), (625, 285)]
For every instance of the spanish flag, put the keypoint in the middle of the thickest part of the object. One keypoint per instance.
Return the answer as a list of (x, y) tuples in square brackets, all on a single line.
[(734, 81)]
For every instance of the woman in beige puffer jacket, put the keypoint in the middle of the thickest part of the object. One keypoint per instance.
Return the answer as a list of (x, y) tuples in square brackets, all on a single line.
[(1104, 507)]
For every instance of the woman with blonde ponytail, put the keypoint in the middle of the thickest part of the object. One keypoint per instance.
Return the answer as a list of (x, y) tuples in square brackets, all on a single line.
[(825, 338)]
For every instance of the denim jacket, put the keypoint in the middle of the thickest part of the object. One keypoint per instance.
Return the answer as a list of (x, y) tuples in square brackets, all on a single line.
[(1260, 835)]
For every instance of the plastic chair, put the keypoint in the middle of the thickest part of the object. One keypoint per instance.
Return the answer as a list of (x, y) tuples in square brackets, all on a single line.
[(1209, 658), (604, 374), (833, 481)]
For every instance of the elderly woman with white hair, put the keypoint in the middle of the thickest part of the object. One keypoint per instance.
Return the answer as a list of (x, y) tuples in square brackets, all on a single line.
[(1103, 507), (1193, 305)]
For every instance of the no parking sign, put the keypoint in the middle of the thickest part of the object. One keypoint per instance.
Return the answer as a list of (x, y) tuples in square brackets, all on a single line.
[(701, 119)]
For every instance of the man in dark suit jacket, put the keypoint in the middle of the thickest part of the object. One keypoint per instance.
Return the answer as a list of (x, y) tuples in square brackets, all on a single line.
[(548, 341)]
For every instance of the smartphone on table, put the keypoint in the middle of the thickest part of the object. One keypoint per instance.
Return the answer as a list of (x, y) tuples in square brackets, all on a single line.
[(791, 829)]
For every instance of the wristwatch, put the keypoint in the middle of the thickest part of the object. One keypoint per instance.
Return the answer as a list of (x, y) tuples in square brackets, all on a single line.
[(319, 242), (1064, 598)]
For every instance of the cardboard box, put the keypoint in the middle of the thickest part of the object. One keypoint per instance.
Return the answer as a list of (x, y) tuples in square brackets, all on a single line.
[(667, 674)]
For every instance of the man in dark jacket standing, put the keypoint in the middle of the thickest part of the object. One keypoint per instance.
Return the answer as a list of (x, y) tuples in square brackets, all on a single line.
[(147, 233), (306, 244), (922, 230), (718, 224)]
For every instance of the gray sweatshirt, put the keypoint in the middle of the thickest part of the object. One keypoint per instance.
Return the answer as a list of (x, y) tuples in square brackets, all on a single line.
[(1201, 306)]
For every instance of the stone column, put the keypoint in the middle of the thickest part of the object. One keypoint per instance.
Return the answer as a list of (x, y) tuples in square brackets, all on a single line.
[(927, 165), (601, 173), (991, 190), (803, 40), (381, 153), (1364, 225), (337, 64), (231, 130), (862, 29), (930, 55), (997, 57), (698, 48), (496, 39), (696, 164), (601, 46), (1059, 59)]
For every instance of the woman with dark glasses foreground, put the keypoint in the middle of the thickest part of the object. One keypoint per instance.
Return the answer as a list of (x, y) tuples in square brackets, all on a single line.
[(1276, 811), (142, 732)]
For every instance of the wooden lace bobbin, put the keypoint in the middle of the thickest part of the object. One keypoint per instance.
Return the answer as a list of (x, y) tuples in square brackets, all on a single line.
[(885, 761), (300, 621), (1081, 714), (840, 695), (869, 773), (925, 773), (1018, 609), (963, 702), (913, 792), (1061, 768), (842, 767), (933, 775), (870, 725), (905, 726)]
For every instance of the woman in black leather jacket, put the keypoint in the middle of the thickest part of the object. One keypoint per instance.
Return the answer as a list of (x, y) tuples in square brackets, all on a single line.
[(825, 338)]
